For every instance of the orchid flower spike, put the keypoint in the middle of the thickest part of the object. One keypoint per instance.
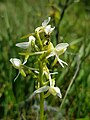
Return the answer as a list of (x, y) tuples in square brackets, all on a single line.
[(45, 27), (18, 65), (58, 50)]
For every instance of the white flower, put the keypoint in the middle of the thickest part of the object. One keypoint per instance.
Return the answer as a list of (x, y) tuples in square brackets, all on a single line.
[(55, 91), (45, 27), (18, 65), (51, 89), (58, 50), (16, 62), (26, 45), (48, 29)]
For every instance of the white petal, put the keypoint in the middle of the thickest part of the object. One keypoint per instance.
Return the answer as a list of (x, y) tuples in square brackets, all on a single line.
[(16, 77), (62, 46), (36, 71), (25, 61), (55, 91), (50, 79), (50, 55), (63, 62), (52, 29), (59, 60), (58, 92), (23, 45), (52, 83), (16, 62), (38, 29), (46, 22), (48, 29), (53, 73), (52, 91), (31, 38), (42, 89)]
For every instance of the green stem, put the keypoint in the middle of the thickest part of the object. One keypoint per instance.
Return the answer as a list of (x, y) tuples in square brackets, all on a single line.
[(41, 106), (41, 94)]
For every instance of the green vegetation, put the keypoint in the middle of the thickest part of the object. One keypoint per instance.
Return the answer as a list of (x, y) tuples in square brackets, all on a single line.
[(71, 19)]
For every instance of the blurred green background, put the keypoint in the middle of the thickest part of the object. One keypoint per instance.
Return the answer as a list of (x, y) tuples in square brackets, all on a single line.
[(71, 19)]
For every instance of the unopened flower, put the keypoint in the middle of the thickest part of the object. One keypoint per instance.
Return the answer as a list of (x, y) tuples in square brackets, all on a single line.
[(58, 50), (45, 27), (18, 65)]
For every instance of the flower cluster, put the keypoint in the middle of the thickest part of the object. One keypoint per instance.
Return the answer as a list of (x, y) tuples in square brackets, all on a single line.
[(39, 44)]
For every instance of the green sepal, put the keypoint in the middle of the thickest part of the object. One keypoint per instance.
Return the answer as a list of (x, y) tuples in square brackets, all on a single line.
[(55, 61), (22, 73)]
